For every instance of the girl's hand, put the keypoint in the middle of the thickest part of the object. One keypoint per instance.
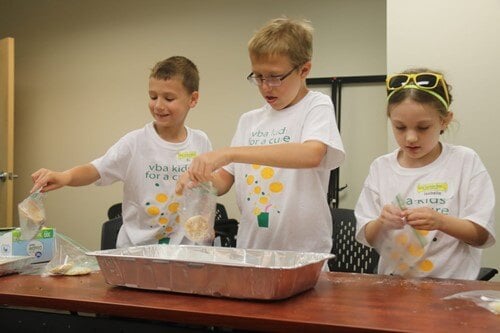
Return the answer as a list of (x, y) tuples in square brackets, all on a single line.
[(392, 217), (49, 180), (424, 218)]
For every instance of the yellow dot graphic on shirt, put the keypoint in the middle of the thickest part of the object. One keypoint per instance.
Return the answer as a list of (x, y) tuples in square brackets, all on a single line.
[(256, 211), (415, 250), (267, 173), (161, 197), (169, 229), (402, 239), (403, 267), (163, 220), (257, 189), (264, 200), (255, 166), (426, 265), (423, 232), (153, 210), (395, 256), (173, 207), (276, 187), (250, 180)]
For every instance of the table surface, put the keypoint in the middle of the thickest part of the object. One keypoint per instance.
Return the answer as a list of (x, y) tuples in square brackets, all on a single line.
[(341, 301)]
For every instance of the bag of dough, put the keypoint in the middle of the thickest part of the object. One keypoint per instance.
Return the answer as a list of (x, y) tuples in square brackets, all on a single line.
[(197, 213)]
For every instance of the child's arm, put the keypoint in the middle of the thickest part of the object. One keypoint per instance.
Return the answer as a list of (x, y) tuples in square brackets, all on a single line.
[(425, 218), (51, 180), (287, 155)]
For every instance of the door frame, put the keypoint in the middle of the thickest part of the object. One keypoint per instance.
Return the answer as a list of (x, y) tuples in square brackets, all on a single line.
[(7, 130)]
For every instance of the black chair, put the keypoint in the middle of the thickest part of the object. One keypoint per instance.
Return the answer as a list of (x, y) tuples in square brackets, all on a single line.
[(224, 227), (486, 273), (109, 233), (115, 210), (350, 255)]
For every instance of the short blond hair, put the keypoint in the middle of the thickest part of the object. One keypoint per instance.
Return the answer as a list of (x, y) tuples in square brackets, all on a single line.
[(286, 37)]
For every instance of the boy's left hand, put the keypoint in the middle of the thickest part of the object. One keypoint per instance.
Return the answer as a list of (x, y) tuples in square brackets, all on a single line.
[(423, 218)]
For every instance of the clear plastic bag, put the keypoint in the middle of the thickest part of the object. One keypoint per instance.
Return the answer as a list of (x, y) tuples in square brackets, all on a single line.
[(31, 215), (488, 299), (403, 249), (70, 259), (197, 213)]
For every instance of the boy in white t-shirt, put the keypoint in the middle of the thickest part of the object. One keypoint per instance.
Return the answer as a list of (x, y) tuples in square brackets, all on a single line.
[(281, 154), (149, 160)]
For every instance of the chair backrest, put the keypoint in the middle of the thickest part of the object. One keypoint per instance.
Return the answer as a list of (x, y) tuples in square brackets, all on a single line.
[(350, 255), (109, 233), (224, 227), (115, 211)]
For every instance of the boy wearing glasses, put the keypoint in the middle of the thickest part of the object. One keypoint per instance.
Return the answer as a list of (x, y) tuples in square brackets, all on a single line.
[(282, 153), (427, 207), (149, 160)]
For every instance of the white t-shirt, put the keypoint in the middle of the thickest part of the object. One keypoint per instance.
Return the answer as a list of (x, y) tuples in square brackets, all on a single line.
[(149, 167), (455, 184), (287, 209)]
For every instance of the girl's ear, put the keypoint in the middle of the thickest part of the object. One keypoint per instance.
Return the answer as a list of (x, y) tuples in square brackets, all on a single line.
[(445, 121)]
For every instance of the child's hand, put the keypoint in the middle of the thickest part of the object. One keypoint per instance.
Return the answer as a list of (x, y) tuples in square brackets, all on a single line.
[(203, 166), (392, 217), (423, 218), (184, 181), (49, 180)]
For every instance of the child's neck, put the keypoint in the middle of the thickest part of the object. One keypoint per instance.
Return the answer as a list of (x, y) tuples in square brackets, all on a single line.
[(170, 134)]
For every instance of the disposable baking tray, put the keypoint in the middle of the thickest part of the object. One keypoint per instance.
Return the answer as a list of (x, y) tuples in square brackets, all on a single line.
[(14, 264), (213, 271)]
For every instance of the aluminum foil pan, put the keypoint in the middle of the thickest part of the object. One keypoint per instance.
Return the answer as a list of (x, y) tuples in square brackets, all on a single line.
[(212, 271), (14, 264)]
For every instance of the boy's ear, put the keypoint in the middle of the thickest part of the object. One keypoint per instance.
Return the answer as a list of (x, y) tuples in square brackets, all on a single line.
[(305, 69), (195, 95)]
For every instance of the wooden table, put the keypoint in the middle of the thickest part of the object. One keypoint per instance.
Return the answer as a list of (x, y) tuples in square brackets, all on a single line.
[(340, 302)]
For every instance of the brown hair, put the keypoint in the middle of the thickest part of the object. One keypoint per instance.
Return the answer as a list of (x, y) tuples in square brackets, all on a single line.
[(420, 96), (285, 37), (178, 66)]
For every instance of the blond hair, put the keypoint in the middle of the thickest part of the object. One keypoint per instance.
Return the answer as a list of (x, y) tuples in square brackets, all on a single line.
[(284, 37)]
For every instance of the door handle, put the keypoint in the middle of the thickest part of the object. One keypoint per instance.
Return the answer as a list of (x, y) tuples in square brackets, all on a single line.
[(7, 175)]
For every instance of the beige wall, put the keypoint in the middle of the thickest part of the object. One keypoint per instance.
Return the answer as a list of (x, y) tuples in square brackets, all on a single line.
[(460, 38), (81, 81)]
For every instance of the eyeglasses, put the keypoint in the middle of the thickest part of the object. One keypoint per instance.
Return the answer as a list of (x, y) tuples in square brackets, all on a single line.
[(422, 81), (272, 81)]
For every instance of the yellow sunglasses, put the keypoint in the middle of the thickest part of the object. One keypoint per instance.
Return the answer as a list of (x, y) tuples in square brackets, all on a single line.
[(422, 81)]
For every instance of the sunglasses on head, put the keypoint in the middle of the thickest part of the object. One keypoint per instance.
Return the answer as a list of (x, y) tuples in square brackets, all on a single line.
[(422, 81)]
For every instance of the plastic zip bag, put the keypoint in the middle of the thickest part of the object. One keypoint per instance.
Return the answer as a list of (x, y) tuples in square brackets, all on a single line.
[(70, 259), (197, 213), (31, 215), (403, 249), (488, 299)]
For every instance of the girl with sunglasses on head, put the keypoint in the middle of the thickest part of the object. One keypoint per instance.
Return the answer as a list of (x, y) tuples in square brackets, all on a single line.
[(428, 206)]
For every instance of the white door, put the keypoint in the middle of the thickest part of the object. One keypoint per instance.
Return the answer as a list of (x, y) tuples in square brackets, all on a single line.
[(6, 131)]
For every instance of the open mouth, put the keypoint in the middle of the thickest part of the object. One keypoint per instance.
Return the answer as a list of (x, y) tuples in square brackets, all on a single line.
[(271, 99)]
